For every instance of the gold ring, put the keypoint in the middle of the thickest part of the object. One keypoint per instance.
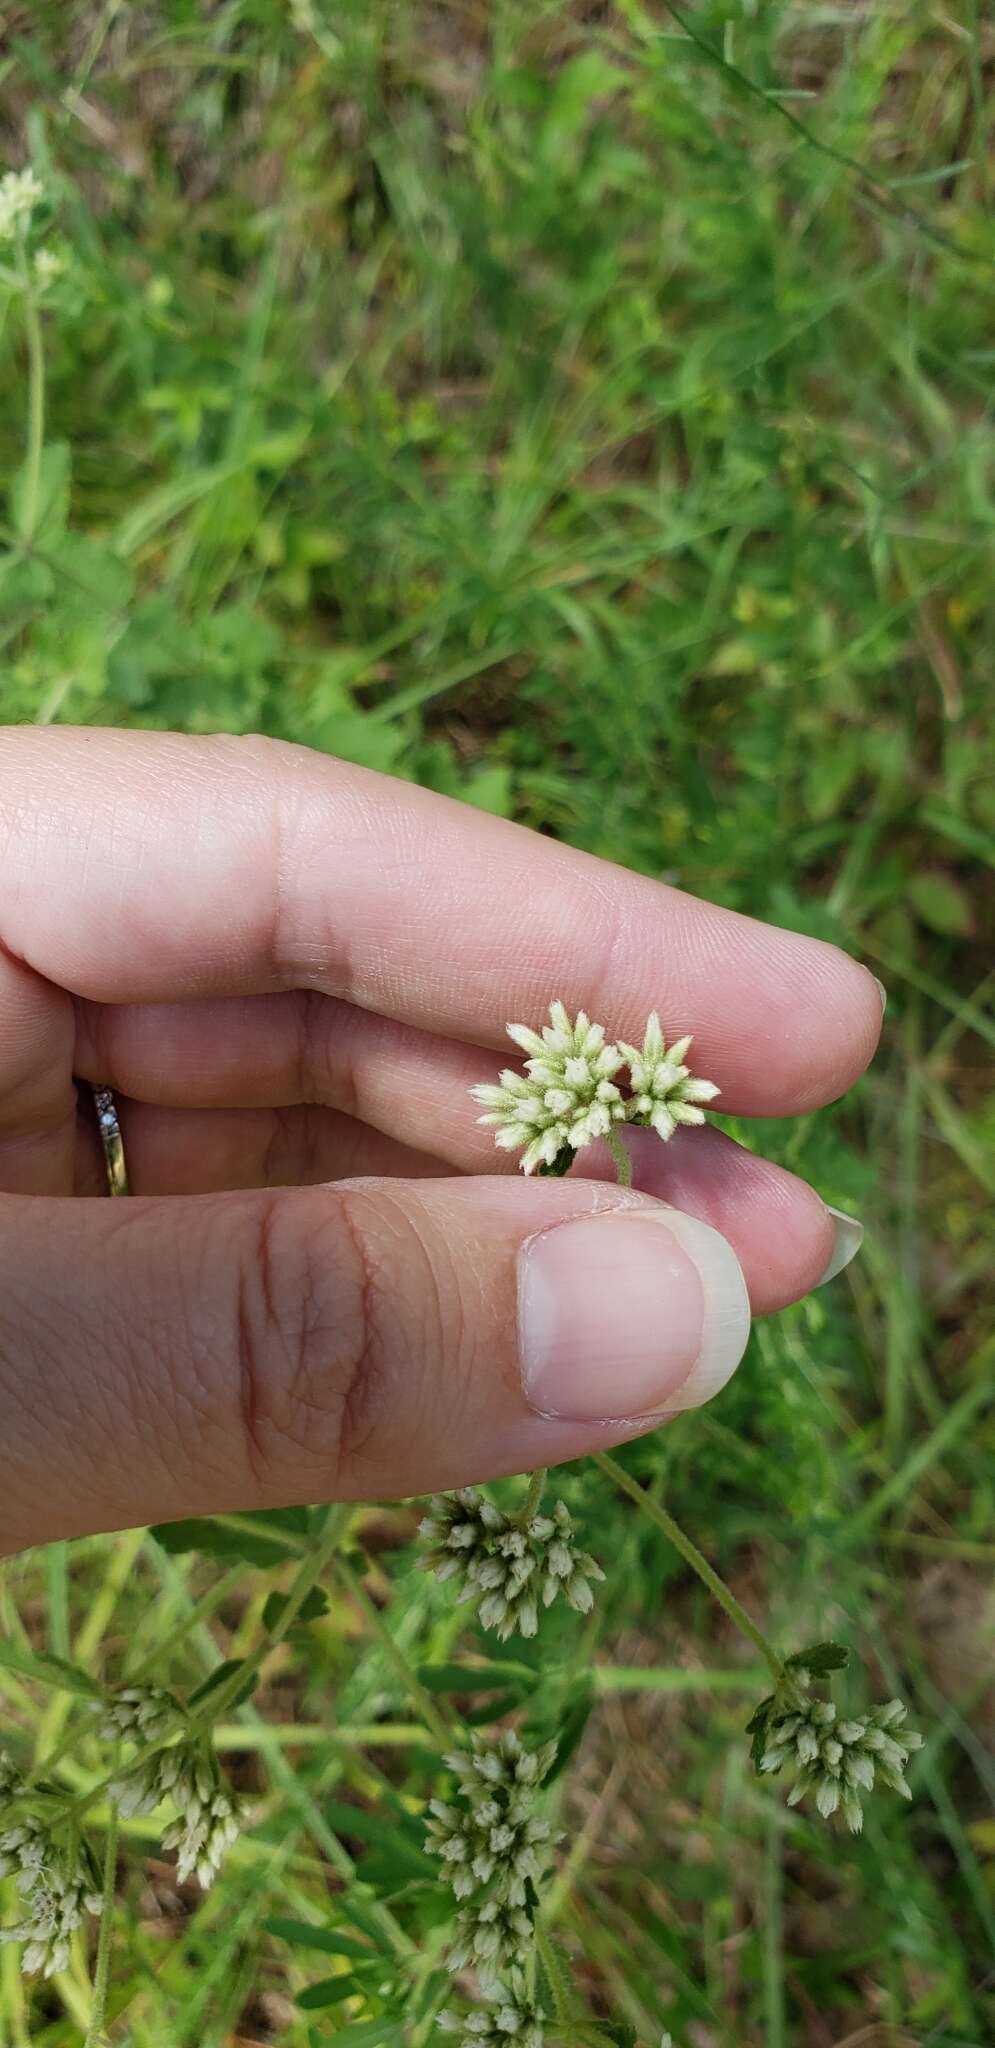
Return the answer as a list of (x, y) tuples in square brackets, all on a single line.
[(112, 1141)]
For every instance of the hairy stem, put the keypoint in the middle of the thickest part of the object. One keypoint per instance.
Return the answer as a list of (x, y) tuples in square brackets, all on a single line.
[(101, 1974), (530, 1505), (620, 1155), (692, 1556)]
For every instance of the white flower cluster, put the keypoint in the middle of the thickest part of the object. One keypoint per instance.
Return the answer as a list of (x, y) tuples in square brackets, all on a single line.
[(838, 1759), (665, 1093), (514, 2021), (53, 1879), (495, 1850), (494, 1837), (483, 1936), (568, 1098), (139, 1713), (507, 1566), (210, 1816), (568, 1095), (20, 193)]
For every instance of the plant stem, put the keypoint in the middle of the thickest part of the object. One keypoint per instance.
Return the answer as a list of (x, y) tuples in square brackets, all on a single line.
[(36, 414), (101, 1974), (530, 1505), (308, 1573), (620, 1155), (438, 1727), (692, 1556), (554, 1975)]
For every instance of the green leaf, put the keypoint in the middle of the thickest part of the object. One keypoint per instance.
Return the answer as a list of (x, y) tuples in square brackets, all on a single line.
[(54, 1671), (311, 1608), (144, 520), (489, 787), (820, 1659), (234, 1539), (91, 582), (465, 1678), (353, 736), (757, 1727), (493, 1709), (398, 1841), (577, 1713), (362, 1915), (301, 1934), (328, 1991), (51, 509), (941, 903), (220, 1677)]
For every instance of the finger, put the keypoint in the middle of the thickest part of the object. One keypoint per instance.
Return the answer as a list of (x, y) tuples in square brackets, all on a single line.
[(175, 868), (786, 1238), (781, 1231), (208, 1151), (37, 1096), (377, 1339)]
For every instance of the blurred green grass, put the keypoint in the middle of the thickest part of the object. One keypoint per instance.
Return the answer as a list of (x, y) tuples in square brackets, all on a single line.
[(513, 397)]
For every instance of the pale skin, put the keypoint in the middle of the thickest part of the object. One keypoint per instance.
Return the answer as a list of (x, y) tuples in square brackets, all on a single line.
[(291, 971)]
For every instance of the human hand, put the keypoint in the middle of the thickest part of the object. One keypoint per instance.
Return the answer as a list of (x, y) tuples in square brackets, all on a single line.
[(291, 971)]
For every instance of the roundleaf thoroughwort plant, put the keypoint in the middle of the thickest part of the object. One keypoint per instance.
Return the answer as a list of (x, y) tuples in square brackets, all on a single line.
[(489, 1834)]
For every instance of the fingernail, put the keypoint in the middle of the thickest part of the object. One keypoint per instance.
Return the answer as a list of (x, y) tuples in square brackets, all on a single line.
[(629, 1314), (848, 1236), (882, 991)]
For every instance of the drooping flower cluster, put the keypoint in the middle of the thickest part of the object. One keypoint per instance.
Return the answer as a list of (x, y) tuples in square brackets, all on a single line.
[(507, 1566), (139, 1713), (569, 1096), (513, 2021), (210, 1815), (837, 1758), (494, 1848), (493, 1836), (53, 1874)]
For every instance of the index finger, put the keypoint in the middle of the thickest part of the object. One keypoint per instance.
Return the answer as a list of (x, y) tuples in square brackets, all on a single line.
[(143, 867)]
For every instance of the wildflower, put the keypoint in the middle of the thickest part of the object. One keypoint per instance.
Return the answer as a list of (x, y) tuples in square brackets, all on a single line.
[(566, 1098), (493, 1836), (20, 192), (140, 1713), (664, 1092), (568, 1095), (515, 2023), (506, 1565), (57, 1887), (210, 1816), (836, 1759), (488, 1938)]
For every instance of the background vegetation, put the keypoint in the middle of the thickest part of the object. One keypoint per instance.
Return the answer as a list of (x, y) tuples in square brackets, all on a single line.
[(586, 410)]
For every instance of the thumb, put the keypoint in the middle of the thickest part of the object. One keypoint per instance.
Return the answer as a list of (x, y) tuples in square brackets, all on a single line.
[(369, 1339)]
